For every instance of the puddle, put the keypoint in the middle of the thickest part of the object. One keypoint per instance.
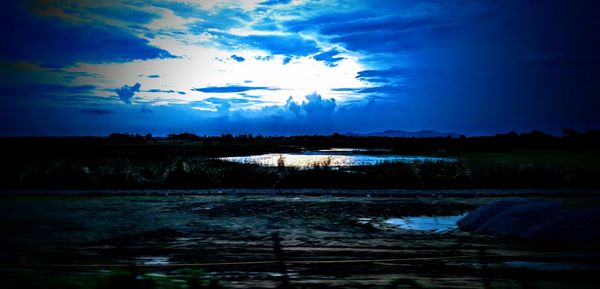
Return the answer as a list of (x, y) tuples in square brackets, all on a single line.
[(364, 221), (153, 260), (438, 224), (550, 266)]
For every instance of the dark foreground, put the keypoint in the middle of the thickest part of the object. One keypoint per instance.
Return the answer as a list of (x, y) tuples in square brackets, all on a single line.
[(328, 239), (185, 161)]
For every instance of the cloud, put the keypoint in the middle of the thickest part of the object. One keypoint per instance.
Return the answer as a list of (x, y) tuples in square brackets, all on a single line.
[(276, 2), (127, 92), (126, 14), (385, 89), (264, 58), (392, 29), (153, 76), (223, 107), (218, 100), (346, 89), (181, 9), (380, 41), (231, 89), (54, 42), (329, 57), (288, 45), (221, 19), (314, 105), (379, 23), (156, 90), (97, 111), (237, 58), (392, 72), (325, 19)]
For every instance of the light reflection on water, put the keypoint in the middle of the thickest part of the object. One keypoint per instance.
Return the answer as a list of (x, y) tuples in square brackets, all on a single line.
[(438, 224), (322, 158)]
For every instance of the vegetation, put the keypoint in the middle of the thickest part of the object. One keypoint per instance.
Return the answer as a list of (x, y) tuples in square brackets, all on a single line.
[(119, 161), (109, 279)]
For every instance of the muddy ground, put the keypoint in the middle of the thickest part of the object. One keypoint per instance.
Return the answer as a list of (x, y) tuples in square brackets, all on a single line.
[(328, 239)]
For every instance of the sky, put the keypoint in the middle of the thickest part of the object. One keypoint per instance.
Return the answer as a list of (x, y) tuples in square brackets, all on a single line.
[(288, 67)]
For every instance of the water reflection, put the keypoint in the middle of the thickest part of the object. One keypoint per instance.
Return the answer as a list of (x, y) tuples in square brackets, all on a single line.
[(330, 158), (153, 260), (438, 224)]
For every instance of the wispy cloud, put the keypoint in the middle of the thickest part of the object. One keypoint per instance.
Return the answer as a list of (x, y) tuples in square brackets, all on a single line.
[(231, 89)]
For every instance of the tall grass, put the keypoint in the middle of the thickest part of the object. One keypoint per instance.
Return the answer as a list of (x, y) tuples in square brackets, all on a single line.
[(201, 172)]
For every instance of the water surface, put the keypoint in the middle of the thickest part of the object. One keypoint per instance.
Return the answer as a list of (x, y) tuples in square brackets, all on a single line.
[(331, 158), (438, 224)]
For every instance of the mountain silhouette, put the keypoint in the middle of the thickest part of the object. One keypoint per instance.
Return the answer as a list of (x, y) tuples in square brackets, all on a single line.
[(401, 133)]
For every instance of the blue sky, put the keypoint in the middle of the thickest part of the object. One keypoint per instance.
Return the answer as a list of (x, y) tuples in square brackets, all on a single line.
[(298, 66)]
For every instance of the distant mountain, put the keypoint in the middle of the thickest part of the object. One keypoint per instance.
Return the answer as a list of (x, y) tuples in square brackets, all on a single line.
[(401, 133)]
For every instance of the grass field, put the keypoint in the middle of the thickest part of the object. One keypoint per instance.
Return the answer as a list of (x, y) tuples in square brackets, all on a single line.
[(568, 158)]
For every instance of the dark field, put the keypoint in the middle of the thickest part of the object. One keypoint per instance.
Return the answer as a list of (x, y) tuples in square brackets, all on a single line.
[(532, 160), (139, 212), (329, 239)]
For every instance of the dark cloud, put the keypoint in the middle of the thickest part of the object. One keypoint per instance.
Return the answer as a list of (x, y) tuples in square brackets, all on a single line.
[(379, 80), (391, 90), (153, 76), (444, 65), (381, 41), (264, 58), (288, 45), (329, 57), (237, 58), (231, 89), (392, 72), (155, 90), (324, 19), (249, 96), (346, 89), (125, 13), (275, 2), (97, 111), (56, 43), (394, 29), (127, 92), (380, 23)]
